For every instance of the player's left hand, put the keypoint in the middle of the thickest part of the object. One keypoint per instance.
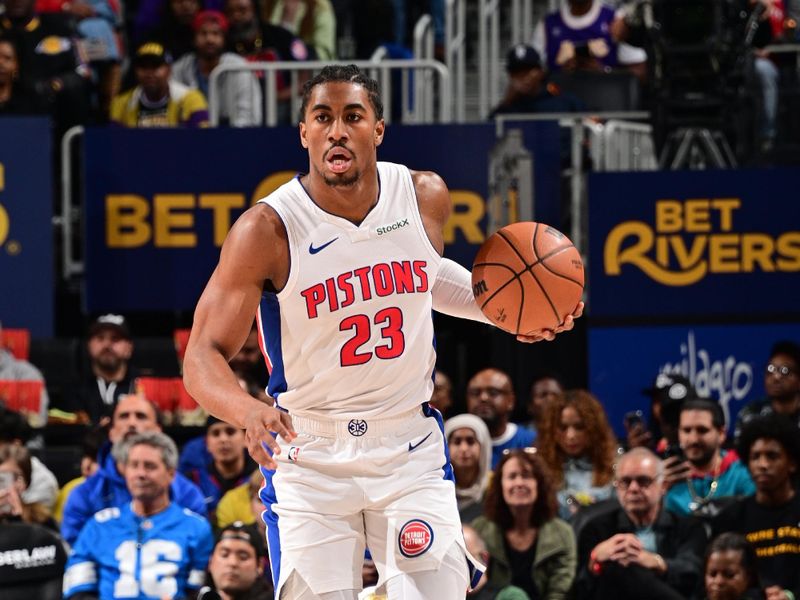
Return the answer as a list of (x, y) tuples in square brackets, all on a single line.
[(549, 335)]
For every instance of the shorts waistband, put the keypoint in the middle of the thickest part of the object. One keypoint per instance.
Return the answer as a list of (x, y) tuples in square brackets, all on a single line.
[(353, 428)]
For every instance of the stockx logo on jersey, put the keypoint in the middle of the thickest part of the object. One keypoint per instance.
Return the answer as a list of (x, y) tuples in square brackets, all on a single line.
[(384, 229)]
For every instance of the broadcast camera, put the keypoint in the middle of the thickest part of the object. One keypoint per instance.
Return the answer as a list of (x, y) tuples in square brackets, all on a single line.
[(700, 58)]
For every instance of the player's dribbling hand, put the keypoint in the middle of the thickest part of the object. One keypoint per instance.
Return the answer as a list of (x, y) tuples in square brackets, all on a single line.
[(259, 425), (550, 334)]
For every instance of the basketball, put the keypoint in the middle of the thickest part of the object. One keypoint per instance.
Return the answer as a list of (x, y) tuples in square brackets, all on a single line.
[(527, 276)]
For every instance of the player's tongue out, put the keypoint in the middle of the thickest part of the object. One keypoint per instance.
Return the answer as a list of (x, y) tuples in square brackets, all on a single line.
[(338, 160)]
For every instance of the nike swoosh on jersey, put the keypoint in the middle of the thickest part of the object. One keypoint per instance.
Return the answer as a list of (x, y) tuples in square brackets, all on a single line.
[(412, 447), (313, 250)]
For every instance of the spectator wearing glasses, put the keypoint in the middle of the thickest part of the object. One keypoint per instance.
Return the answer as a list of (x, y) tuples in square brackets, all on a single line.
[(782, 384), (531, 548), (490, 396), (639, 545)]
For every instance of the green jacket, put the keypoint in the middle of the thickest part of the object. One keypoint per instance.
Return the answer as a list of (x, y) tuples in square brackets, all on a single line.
[(554, 563)]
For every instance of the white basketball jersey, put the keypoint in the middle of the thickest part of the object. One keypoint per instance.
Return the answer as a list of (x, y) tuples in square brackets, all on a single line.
[(351, 333)]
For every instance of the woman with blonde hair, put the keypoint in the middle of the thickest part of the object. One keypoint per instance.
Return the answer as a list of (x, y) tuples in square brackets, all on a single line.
[(579, 447)]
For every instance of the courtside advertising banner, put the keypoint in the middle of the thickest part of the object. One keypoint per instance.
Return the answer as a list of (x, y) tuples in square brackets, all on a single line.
[(26, 240), (159, 203), (694, 244), (724, 362)]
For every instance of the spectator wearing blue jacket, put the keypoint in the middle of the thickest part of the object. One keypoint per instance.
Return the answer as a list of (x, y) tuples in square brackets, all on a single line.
[(106, 488), (218, 464)]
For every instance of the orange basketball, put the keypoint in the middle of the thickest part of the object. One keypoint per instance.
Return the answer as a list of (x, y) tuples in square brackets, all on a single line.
[(527, 276)]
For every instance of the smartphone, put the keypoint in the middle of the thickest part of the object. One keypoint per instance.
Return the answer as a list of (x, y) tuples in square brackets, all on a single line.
[(674, 450), (633, 418), (6, 481)]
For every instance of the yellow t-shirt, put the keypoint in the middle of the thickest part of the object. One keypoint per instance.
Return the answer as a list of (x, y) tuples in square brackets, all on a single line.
[(235, 506), (63, 494)]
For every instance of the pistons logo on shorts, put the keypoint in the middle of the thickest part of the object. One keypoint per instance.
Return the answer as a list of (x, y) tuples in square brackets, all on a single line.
[(415, 538)]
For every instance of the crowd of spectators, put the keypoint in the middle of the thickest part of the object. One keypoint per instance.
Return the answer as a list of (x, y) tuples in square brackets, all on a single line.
[(556, 506)]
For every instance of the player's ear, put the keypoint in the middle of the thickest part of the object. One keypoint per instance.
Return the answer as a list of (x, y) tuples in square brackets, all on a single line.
[(380, 127), (303, 139)]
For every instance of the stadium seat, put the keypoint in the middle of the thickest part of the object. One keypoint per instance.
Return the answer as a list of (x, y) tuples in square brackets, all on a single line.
[(18, 341), (181, 338)]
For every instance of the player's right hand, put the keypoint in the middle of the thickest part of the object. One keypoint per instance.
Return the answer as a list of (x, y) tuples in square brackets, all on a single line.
[(259, 425)]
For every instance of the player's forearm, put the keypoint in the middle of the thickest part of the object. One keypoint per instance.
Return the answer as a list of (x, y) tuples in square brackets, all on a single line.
[(209, 380), (452, 293)]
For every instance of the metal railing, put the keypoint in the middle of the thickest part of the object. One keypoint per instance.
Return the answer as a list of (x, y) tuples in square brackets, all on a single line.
[(423, 81), (69, 216), (413, 107), (488, 55), (455, 54)]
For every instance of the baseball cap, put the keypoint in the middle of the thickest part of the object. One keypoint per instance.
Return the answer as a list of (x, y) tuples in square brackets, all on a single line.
[(204, 16), (152, 54), (671, 387), (245, 533), (110, 321), (522, 57)]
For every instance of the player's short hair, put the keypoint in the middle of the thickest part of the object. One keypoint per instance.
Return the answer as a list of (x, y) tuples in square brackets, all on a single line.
[(154, 439), (717, 416), (776, 427), (345, 74), (788, 348)]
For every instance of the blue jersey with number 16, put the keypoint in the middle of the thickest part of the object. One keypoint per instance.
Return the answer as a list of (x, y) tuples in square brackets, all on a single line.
[(122, 555)]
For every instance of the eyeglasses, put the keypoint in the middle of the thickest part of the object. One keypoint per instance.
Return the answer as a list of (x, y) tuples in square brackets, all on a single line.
[(643, 481), (782, 370), (492, 392)]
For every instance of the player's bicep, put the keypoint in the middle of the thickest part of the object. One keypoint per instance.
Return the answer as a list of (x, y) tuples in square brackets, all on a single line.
[(435, 205)]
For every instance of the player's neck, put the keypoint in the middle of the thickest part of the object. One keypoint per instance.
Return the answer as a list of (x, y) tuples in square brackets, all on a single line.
[(351, 202), (147, 508)]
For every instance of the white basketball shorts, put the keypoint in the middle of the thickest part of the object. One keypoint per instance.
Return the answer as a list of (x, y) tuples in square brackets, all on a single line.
[(341, 486)]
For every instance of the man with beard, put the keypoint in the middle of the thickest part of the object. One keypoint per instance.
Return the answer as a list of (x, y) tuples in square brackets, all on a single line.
[(236, 566), (149, 547), (769, 519), (782, 384), (713, 474), (490, 396), (157, 101), (639, 549), (106, 488), (110, 348), (239, 92)]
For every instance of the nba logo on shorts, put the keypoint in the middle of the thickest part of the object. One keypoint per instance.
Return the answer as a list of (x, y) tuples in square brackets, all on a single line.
[(415, 538), (294, 452)]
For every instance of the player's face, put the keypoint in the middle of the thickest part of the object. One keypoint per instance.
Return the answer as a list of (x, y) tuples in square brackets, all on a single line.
[(465, 449), (146, 475), (341, 133), (225, 443), (572, 436), (132, 415), (726, 577), (490, 396), (544, 392), (770, 465), (518, 483), (781, 377), (109, 350), (234, 566), (698, 437)]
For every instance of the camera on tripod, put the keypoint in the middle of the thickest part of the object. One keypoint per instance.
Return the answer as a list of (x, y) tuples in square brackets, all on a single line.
[(699, 57)]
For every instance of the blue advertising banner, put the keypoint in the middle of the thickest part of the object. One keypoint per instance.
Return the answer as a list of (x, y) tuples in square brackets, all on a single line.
[(724, 362), (159, 203), (694, 244), (26, 208)]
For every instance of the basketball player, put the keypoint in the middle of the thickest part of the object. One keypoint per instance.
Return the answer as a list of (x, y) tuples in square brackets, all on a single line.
[(342, 267)]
